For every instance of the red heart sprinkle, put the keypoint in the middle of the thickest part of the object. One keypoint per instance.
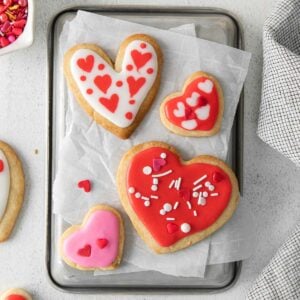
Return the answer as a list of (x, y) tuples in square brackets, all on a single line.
[(135, 84), (172, 228), (202, 101), (103, 82), (1, 165), (157, 163), (110, 103), (85, 185), (85, 251), (86, 64), (140, 59), (102, 243), (217, 177)]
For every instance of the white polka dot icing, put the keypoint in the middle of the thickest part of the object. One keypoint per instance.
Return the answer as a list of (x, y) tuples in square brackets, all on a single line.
[(167, 207), (4, 183), (185, 227), (147, 170)]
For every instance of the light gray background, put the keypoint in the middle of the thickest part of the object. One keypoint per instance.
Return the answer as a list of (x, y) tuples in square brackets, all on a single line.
[(271, 182)]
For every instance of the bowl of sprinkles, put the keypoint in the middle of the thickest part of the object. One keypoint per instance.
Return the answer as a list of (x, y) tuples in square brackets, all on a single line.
[(16, 25)]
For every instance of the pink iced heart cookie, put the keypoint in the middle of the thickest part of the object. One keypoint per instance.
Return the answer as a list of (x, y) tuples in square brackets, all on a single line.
[(197, 110), (97, 243), (118, 95)]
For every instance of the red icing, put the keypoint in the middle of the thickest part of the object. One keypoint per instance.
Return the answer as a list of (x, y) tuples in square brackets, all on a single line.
[(110, 103), (140, 59), (102, 243), (85, 185), (103, 82), (15, 297), (212, 99), (129, 115), (85, 251), (1, 165), (135, 84), (86, 64), (150, 216)]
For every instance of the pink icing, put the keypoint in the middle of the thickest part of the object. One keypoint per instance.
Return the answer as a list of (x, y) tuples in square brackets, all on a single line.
[(102, 224)]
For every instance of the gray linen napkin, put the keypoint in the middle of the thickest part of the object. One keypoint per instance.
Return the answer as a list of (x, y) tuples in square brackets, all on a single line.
[(281, 278), (279, 119)]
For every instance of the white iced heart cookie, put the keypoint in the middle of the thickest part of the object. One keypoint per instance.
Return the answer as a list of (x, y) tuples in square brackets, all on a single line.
[(117, 96), (206, 86), (180, 110)]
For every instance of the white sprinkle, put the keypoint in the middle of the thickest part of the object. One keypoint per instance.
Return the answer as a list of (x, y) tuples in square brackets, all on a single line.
[(189, 204), (211, 188), (205, 194), (163, 155), (162, 212), (170, 219), (201, 201), (185, 227), (153, 197), (178, 183), (147, 170), (214, 194), (176, 205), (207, 183), (155, 181), (200, 179), (145, 198), (196, 188), (147, 203), (195, 194), (154, 188), (163, 174), (138, 195), (171, 184), (167, 207), (195, 213), (131, 190)]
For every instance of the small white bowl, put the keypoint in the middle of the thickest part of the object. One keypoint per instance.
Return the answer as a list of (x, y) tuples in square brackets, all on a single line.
[(26, 37)]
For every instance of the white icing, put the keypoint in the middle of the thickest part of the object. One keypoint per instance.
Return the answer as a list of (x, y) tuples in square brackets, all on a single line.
[(180, 111), (193, 100), (203, 112), (185, 227), (118, 116), (147, 170), (189, 124), (4, 184), (206, 86)]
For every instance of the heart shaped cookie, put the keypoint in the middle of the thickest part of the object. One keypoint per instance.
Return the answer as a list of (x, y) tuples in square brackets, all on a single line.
[(12, 187), (117, 96), (180, 203), (97, 243), (197, 110), (15, 294)]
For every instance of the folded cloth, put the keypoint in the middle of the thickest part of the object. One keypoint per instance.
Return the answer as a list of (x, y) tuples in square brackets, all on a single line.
[(279, 119), (281, 278)]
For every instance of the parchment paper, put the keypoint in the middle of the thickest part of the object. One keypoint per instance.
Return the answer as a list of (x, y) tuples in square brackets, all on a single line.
[(89, 151)]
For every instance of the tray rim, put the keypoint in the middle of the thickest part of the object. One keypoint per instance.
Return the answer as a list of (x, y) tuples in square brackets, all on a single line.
[(237, 161)]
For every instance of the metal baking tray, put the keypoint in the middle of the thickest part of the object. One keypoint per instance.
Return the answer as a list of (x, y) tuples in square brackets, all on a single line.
[(211, 24)]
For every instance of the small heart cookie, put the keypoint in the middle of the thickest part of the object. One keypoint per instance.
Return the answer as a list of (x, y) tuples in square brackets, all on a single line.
[(15, 294), (117, 96), (197, 110), (97, 243), (12, 186), (180, 203)]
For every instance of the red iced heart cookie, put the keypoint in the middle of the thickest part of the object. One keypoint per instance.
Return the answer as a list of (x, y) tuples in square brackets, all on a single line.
[(85, 185), (117, 96), (197, 110), (179, 204)]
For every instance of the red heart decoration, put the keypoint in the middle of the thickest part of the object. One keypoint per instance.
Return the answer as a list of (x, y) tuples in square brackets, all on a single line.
[(1, 165), (85, 251), (110, 103), (102, 243), (217, 177), (103, 82), (135, 84), (157, 163), (176, 209), (140, 59), (85, 185), (86, 64)]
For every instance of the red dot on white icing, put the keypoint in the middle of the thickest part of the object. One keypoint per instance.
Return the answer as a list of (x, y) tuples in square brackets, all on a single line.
[(119, 83), (129, 115), (162, 212), (143, 45), (132, 101), (89, 91), (129, 67), (101, 66), (185, 227), (154, 188), (137, 195), (131, 190), (150, 71), (147, 203), (82, 78), (167, 207), (147, 170)]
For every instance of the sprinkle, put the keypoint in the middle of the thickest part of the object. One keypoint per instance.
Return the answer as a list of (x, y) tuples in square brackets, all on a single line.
[(147, 203), (201, 201), (185, 227), (189, 204), (154, 188), (147, 170), (211, 188), (153, 197), (205, 194), (195, 213), (138, 195), (195, 194), (163, 155), (170, 219), (171, 184), (145, 198), (162, 212), (200, 179), (155, 181), (207, 183), (176, 205), (131, 190), (196, 188), (167, 207), (178, 183), (214, 194), (163, 174)]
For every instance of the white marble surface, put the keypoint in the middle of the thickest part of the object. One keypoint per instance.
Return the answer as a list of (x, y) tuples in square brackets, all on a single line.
[(271, 182)]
